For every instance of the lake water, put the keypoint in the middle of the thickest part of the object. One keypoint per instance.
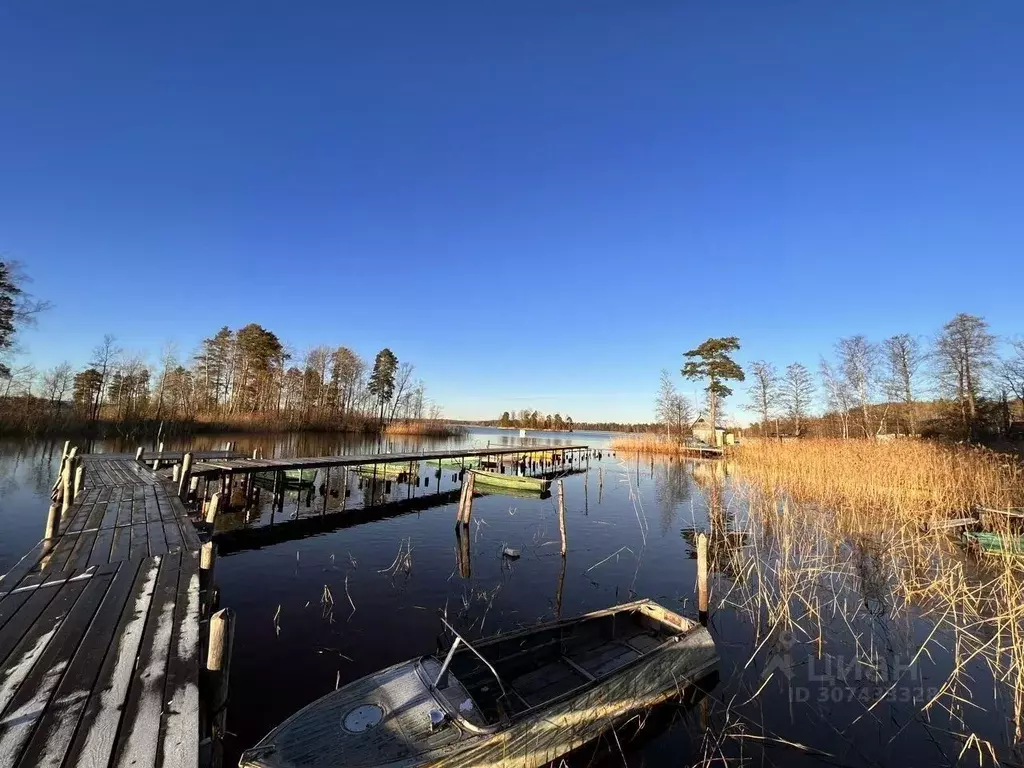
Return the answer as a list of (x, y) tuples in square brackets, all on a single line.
[(780, 699)]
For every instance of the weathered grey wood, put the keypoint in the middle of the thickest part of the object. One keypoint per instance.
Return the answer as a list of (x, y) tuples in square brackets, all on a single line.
[(138, 740), (62, 632), (218, 668), (97, 734), (56, 729), (179, 721)]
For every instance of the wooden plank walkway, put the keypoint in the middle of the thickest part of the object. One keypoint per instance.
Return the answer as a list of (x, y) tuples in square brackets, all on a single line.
[(99, 631), (207, 468), (167, 457)]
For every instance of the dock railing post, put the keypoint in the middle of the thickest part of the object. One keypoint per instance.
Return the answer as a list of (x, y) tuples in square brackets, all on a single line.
[(79, 476), (52, 521), (212, 507), (207, 563), (561, 514), (218, 671), (185, 476), (68, 480), (138, 453)]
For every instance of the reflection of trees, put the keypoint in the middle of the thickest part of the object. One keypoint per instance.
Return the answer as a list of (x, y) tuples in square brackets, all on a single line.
[(725, 542), (671, 488)]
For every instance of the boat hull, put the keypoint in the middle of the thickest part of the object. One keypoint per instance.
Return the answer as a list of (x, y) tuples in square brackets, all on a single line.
[(316, 738), (514, 482)]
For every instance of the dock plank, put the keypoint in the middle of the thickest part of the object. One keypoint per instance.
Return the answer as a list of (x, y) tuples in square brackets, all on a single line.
[(27, 706), (57, 726), (138, 742), (96, 737), (179, 732)]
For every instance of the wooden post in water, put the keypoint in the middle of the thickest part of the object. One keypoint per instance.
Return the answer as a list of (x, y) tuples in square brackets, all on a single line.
[(325, 486), (184, 478), (207, 562), (561, 514), (702, 577), (176, 473), (218, 671), (138, 453), (466, 501), (212, 507)]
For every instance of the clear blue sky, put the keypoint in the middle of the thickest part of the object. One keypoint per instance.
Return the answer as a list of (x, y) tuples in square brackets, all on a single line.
[(538, 203)]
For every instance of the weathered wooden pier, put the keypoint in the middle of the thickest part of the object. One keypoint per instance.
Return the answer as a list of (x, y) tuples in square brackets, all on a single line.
[(112, 649)]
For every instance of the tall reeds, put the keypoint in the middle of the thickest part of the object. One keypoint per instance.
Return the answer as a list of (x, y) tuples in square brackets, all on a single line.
[(840, 529)]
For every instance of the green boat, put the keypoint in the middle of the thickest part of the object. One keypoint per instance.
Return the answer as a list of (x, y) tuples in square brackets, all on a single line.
[(994, 543), (514, 482), (388, 471), (469, 462), (293, 478)]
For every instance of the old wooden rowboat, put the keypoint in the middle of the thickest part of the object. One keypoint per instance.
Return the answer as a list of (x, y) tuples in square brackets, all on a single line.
[(515, 482), (994, 543), (517, 700)]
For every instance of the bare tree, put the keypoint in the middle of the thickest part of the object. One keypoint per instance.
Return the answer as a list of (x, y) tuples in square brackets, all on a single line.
[(18, 381), (964, 354), (858, 361), (764, 392), (797, 393), (838, 396), (402, 381), (903, 359), (104, 359), (56, 383), (1011, 371)]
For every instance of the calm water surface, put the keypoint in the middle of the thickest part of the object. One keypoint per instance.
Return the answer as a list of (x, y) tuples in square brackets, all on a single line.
[(344, 610)]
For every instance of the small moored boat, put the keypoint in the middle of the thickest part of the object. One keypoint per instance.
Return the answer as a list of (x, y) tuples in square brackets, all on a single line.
[(518, 700), (994, 543), (515, 482)]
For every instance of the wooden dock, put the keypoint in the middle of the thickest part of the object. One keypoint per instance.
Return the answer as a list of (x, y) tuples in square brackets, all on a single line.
[(100, 631), (104, 623), (569, 454)]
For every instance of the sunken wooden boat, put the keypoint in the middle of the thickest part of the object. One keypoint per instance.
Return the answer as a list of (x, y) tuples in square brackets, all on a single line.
[(517, 700), (514, 482)]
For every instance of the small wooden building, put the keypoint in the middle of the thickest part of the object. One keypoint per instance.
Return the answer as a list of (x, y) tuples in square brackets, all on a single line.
[(717, 437)]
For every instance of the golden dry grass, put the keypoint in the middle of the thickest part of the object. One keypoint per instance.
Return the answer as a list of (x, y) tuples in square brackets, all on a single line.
[(831, 517), (647, 442), (423, 428)]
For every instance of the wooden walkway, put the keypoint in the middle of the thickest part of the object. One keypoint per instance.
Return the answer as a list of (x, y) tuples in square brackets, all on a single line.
[(100, 631), (571, 453)]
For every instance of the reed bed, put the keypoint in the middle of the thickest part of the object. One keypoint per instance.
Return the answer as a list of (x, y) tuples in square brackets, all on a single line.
[(836, 535), (424, 428), (648, 442)]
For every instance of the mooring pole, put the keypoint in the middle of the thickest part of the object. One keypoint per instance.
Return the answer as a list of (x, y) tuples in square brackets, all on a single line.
[(561, 514), (702, 577)]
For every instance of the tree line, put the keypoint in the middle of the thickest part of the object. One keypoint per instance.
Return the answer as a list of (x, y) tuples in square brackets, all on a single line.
[(236, 378), (531, 419), (955, 385)]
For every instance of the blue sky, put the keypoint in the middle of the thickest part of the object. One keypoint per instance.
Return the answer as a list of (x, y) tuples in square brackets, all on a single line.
[(539, 204)]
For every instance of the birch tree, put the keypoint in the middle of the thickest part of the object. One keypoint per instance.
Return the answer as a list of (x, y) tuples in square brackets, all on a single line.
[(764, 392), (903, 359), (797, 393)]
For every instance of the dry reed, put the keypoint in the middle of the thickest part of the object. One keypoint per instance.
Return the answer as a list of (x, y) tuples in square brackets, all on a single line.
[(842, 529)]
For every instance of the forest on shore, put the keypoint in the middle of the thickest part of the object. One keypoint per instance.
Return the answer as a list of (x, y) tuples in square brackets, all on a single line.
[(238, 379)]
